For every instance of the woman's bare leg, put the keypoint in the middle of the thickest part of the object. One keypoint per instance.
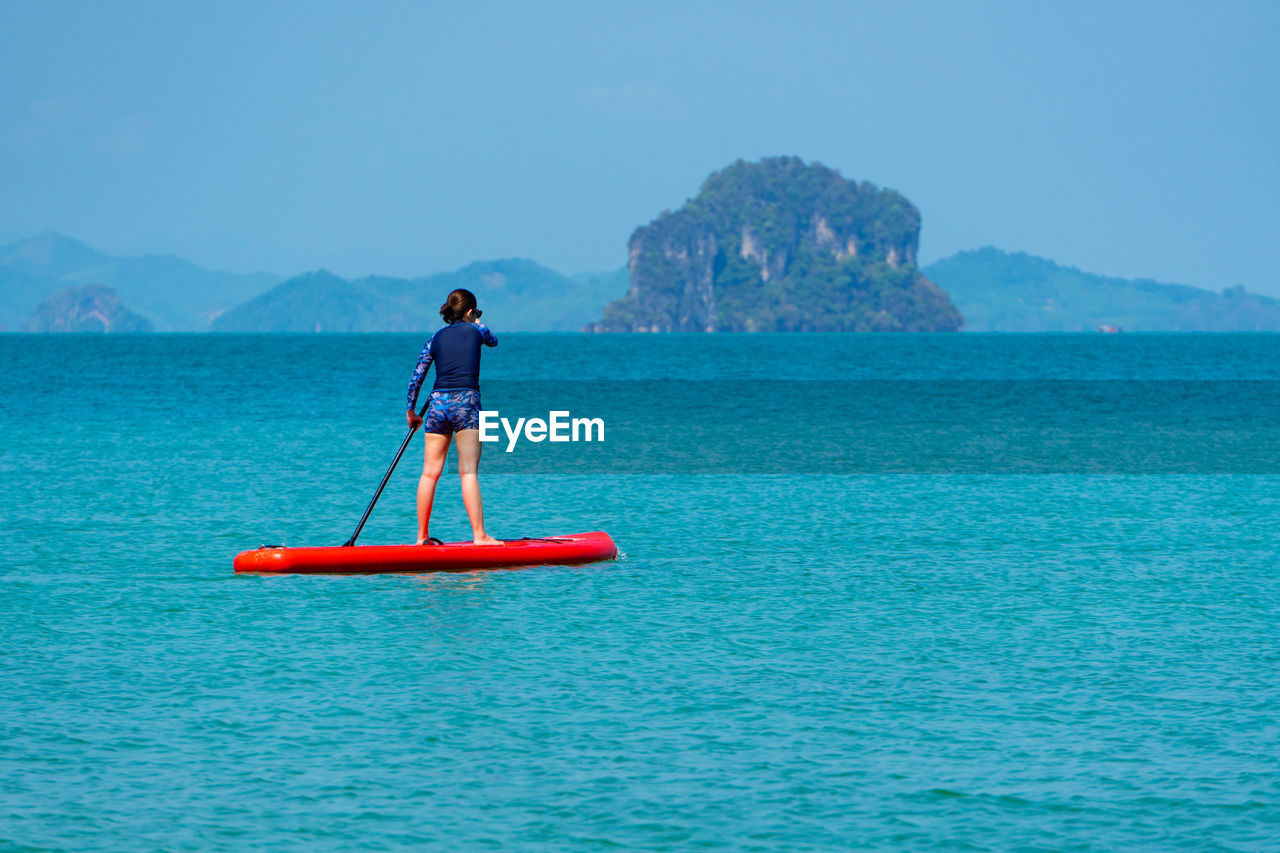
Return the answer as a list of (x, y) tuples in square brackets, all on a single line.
[(468, 465), (437, 450)]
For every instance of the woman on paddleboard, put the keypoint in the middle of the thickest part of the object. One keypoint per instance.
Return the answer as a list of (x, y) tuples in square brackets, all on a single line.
[(453, 410)]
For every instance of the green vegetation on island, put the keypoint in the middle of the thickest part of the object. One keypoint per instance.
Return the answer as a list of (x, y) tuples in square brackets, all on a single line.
[(91, 308), (781, 245), (1015, 292)]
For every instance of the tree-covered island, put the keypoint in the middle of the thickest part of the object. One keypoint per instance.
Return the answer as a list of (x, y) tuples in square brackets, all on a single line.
[(781, 245)]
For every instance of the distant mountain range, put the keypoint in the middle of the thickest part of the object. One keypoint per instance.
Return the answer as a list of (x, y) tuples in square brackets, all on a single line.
[(516, 295), (47, 283), (172, 294), (1015, 292)]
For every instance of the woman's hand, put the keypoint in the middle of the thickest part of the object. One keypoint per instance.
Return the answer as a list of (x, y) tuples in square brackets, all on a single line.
[(414, 420)]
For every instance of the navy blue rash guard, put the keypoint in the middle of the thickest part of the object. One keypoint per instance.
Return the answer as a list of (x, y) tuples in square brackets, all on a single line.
[(455, 350)]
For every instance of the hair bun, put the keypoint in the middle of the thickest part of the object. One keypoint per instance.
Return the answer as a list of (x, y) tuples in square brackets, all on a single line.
[(458, 304)]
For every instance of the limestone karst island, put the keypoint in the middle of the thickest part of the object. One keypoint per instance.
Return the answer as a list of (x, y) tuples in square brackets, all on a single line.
[(783, 246)]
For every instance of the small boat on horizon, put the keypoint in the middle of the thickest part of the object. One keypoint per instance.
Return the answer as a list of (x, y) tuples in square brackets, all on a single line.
[(1110, 330)]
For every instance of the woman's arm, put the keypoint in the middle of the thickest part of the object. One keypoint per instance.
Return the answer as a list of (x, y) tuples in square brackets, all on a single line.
[(419, 374), (490, 340)]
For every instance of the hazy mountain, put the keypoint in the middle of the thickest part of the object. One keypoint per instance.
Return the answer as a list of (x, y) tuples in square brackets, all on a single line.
[(175, 295), (523, 296), (1017, 292), (20, 293), (90, 308), (50, 255), (323, 302), (781, 245), (516, 295)]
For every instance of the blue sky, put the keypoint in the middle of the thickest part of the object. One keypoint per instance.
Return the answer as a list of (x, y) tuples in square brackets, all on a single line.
[(1133, 139)]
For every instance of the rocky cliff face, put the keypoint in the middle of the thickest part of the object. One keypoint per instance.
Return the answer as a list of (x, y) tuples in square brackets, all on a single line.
[(92, 308), (656, 262), (780, 245)]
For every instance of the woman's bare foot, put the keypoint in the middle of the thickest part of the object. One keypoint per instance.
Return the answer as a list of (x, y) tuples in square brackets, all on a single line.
[(486, 539)]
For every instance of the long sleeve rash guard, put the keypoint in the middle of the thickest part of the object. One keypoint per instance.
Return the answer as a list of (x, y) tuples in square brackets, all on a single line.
[(455, 351)]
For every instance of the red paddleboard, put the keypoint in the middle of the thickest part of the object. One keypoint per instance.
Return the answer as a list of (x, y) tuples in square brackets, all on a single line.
[(570, 550)]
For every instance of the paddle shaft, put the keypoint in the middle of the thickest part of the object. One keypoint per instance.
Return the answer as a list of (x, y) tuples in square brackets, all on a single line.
[(387, 476)]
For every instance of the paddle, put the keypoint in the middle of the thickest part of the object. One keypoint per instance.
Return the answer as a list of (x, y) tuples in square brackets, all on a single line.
[(387, 476)]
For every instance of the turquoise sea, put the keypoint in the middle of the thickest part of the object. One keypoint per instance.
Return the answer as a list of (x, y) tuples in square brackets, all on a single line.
[(899, 592)]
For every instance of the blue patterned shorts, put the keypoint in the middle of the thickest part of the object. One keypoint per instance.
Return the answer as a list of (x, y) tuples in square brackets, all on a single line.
[(451, 411)]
